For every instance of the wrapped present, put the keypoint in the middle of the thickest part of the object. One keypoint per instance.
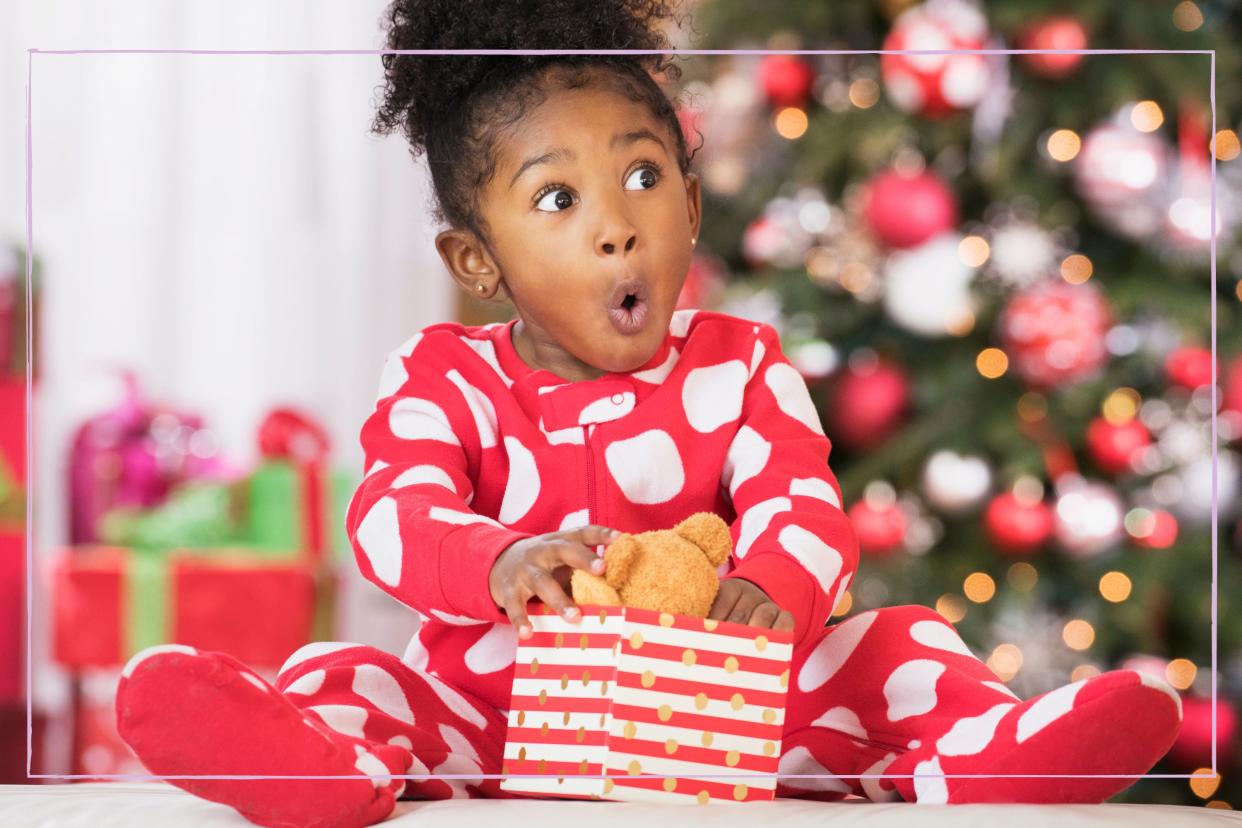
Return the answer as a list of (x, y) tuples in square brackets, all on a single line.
[(134, 455), (110, 602), (198, 515), (292, 500), (631, 704)]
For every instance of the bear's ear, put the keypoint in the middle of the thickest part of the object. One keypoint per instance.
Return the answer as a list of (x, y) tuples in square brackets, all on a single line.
[(709, 532), (619, 560)]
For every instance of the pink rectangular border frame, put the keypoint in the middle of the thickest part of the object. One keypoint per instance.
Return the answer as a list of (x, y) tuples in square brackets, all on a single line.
[(433, 52)]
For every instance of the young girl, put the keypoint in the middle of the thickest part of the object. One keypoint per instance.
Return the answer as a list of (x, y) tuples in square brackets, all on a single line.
[(500, 457)]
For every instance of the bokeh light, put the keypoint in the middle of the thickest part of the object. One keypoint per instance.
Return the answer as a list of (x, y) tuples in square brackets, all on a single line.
[(1115, 586), (1078, 634), (979, 587), (790, 122), (1076, 268), (1181, 673), (952, 608), (1022, 576), (992, 363), (1064, 144)]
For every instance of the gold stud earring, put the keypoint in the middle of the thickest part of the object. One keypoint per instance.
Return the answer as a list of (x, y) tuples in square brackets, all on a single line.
[(694, 241), (481, 288)]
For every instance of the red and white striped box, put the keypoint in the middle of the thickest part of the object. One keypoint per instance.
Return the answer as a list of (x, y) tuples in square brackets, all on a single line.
[(635, 705)]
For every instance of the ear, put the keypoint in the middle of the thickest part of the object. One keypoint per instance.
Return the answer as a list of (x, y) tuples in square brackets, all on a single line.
[(694, 203), (619, 560), (468, 262), (709, 532)]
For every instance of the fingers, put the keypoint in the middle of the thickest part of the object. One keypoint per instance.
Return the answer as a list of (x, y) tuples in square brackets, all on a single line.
[(784, 621), (578, 556), (726, 598), (549, 591), (592, 535), (515, 608), (764, 615)]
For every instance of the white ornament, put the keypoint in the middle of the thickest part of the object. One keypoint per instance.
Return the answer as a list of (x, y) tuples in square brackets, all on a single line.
[(1088, 517), (1195, 504), (1022, 253), (954, 483), (927, 288)]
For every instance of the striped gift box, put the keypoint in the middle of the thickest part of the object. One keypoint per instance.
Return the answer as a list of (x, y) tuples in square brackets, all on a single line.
[(602, 706)]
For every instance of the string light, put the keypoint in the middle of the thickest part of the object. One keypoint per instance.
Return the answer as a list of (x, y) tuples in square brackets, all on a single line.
[(973, 250), (1076, 268), (843, 606), (1121, 406), (1115, 586), (1078, 634), (1206, 784), (979, 587), (1063, 145), (791, 122), (864, 92), (1146, 116), (1084, 671), (1181, 673), (952, 608), (1187, 17), (1022, 576), (1225, 146), (1005, 661), (1032, 406), (992, 363)]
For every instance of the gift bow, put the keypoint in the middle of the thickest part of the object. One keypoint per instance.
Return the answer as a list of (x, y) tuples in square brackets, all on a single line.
[(288, 434)]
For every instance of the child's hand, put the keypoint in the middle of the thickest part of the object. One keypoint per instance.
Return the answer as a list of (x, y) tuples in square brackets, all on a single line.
[(740, 601), (529, 568)]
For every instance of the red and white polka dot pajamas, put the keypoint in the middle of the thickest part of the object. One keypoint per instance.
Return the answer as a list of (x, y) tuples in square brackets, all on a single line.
[(469, 449)]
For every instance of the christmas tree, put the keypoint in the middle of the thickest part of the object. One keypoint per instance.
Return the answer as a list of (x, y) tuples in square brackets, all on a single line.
[(993, 271)]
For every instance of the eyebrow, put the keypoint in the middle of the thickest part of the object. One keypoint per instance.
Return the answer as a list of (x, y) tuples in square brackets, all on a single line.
[(621, 139)]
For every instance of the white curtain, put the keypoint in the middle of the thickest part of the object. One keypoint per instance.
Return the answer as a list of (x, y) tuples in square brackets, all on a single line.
[(225, 225)]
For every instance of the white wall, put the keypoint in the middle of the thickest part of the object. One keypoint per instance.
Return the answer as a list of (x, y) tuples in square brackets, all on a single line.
[(223, 224)]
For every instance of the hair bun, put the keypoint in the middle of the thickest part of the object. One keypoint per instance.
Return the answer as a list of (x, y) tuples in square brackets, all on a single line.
[(419, 88)]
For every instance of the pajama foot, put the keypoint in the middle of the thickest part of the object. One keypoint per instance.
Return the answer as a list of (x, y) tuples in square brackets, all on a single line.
[(186, 712), (1118, 723)]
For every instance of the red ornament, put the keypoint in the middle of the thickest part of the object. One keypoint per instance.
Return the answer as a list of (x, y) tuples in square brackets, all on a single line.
[(907, 210), (786, 80), (880, 528), (1056, 32), (1112, 446), (870, 403), (1053, 333), (935, 85), (1017, 526), (1189, 367), (1232, 399), (1193, 747), (1157, 531)]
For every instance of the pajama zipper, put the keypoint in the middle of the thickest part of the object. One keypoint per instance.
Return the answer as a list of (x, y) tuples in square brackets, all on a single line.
[(591, 509)]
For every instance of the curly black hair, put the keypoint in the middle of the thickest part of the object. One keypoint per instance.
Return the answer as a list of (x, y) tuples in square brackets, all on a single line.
[(454, 107)]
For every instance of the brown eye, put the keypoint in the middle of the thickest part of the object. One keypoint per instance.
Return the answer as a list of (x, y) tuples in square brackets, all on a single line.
[(645, 176), (554, 201)]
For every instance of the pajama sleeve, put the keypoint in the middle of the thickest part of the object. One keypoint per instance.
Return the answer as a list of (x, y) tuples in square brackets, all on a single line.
[(410, 522), (791, 537)]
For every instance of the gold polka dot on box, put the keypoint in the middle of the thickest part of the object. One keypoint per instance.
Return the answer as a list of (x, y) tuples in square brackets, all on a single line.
[(635, 705)]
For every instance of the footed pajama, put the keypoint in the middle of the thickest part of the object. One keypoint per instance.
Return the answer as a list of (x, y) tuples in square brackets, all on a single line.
[(890, 702)]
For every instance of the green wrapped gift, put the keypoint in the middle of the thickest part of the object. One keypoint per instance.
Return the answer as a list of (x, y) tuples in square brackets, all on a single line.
[(294, 509)]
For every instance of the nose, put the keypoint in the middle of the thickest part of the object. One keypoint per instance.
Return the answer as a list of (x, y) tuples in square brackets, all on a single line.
[(616, 231), (610, 248)]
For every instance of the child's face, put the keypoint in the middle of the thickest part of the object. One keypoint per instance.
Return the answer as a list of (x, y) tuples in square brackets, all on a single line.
[(603, 203)]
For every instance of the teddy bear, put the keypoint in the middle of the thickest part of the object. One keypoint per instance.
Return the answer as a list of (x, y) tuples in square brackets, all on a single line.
[(666, 570)]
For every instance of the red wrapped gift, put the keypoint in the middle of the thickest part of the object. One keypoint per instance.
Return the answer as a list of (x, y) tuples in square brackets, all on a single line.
[(111, 602), (600, 706)]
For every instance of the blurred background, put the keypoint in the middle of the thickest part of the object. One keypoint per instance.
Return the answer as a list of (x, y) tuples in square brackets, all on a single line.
[(992, 270)]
